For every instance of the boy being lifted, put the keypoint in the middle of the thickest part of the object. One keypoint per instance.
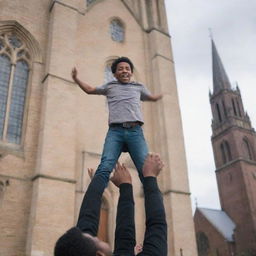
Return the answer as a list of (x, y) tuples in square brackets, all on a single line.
[(125, 117)]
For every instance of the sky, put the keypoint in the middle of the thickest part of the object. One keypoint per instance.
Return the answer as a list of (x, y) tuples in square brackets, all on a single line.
[(233, 28)]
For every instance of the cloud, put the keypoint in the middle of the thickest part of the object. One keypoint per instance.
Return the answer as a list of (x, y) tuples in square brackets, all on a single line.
[(234, 31)]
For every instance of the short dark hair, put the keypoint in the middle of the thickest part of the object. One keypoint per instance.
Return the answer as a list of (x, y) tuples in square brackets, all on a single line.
[(118, 60), (73, 243)]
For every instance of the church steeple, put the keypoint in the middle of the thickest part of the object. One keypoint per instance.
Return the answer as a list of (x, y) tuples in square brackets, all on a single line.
[(220, 78), (226, 102), (234, 147)]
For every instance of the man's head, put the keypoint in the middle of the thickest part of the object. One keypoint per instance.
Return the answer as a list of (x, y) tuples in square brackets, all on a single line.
[(122, 68), (76, 243)]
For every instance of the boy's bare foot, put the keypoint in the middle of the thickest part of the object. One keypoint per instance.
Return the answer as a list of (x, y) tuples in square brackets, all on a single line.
[(121, 175), (152, 165)]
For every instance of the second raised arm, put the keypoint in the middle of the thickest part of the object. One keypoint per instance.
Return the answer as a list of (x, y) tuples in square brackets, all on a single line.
[(84, 86)]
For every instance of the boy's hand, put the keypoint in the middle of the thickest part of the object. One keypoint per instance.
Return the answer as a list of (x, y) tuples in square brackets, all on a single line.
[(121, 175), (159, 96), (155, 97), (152, 165), (74, 73)]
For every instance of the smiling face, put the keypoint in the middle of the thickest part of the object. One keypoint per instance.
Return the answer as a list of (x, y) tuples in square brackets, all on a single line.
[(123, 72)]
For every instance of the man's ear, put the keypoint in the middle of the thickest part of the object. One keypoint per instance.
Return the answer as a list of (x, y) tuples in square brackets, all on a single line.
[(99, 253)]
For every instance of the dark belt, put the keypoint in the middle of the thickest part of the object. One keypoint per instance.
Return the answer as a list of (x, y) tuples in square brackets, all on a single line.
[(126, 125)]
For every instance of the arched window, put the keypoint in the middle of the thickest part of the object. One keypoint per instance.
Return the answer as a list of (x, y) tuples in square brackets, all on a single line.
[(218, 112), (234, 107), (222, 149), (117, 30), (238, 107), (247, 149), (224, 108), (203, 245), (225, 152), (14, 73), (108, 76)]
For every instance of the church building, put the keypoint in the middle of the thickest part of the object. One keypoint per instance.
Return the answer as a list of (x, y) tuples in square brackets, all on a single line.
[(231, 230), (51, 131)]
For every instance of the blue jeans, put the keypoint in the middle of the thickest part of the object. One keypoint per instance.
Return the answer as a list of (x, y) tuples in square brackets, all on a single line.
[(120, 140)]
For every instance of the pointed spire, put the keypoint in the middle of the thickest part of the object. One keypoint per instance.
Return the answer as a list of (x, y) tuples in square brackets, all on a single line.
[(220, 78)]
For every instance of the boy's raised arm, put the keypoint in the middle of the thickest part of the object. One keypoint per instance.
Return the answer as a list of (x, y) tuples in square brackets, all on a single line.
[(155, 97), (85, 87)]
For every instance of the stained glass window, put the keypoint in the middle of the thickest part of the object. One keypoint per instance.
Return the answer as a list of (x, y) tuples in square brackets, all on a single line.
[(14, 72), (5, 70), (117, 30), (17, 102), (14, 41)]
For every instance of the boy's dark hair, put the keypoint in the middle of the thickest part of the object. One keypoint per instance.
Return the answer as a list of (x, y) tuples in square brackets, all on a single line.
[(117, 61), (73, 243)]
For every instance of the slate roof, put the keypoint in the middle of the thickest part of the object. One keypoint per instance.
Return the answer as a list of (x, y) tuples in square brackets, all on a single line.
[(221, 221), (220, 78)]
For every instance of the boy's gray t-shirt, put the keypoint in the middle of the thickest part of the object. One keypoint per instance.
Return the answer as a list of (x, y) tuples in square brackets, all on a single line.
[(124, 100)]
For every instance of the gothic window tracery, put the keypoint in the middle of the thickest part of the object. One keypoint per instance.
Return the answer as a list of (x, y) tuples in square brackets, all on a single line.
[(14, 74), (117, 30)]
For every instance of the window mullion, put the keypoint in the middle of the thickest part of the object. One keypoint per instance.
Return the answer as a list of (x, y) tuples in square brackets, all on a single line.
[(8, 105)]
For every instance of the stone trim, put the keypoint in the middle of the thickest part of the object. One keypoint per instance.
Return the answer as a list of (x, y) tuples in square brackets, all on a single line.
[(158, 30), (159, 55), (176, 192), (53, 178), (92, 153), (132, 13), (65, 5), (231, 127), (14, 178), (58, 77), (37, 177), (240, 159)]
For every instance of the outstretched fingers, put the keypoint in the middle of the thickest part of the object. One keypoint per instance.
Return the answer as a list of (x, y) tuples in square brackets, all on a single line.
[(152, 165), (121, 175)]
